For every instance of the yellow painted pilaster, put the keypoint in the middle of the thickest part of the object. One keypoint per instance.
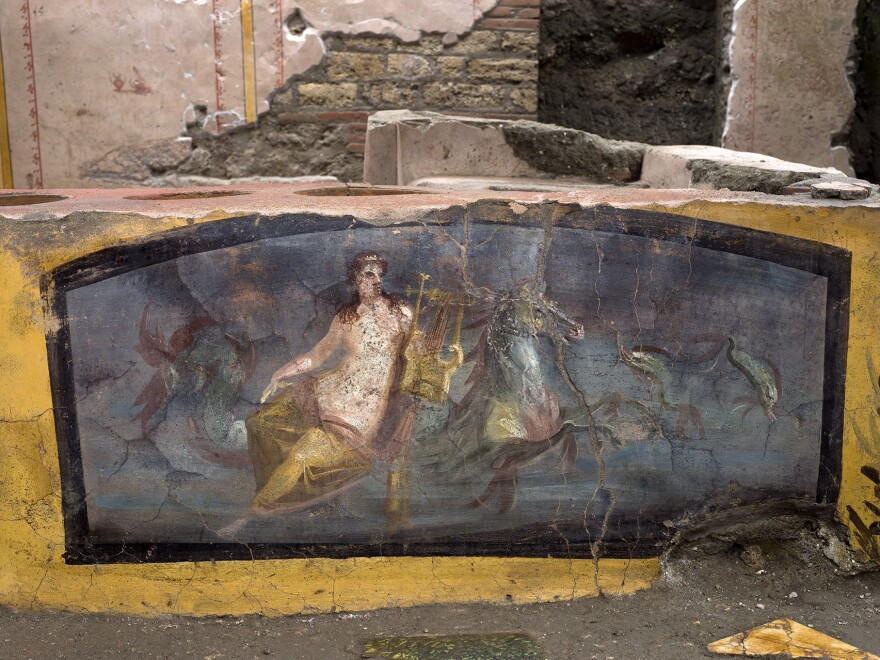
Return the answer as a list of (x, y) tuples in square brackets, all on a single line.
[(249, 60)]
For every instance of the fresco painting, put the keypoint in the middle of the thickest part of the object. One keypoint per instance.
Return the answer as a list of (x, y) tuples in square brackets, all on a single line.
[(458, 388)]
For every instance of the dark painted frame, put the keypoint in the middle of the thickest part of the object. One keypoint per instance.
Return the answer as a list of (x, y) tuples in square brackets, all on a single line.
[(809, 256)]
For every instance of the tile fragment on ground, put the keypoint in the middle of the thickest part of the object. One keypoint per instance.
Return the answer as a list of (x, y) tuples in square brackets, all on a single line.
[(789, 639)]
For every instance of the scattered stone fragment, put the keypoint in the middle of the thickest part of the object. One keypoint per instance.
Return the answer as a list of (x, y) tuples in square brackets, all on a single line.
[(838, 190), (806, 185), (790, 639), (701, 166), (752, 555)]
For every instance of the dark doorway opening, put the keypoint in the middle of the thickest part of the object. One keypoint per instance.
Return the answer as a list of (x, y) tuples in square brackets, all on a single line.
[(865, 135)]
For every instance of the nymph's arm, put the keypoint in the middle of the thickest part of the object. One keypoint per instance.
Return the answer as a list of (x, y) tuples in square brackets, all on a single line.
[(307, 361), (322, 351)]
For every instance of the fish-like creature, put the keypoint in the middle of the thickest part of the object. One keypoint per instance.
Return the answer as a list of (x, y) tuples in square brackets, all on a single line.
[(644, 360), (766, 386)]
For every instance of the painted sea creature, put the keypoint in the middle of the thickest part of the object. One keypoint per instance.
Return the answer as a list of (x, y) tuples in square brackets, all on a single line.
[(644, 361), (510, 414), (766, 384), (198, 362)]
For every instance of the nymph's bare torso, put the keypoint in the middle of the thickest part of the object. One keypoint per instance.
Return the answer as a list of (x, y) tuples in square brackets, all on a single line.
[(356, 391), (352, 395)]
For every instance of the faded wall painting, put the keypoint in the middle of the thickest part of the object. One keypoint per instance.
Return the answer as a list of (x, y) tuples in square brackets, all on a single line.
[(465, 387)]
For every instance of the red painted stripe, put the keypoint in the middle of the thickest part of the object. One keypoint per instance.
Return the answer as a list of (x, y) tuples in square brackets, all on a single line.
[(279, 45), (218, 63), (34, 113), (754, 81)]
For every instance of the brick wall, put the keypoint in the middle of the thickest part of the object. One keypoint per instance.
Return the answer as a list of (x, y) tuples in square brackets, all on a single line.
[(490, 72)]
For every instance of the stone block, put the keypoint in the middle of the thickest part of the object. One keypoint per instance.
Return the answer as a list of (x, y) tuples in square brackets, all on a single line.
[(327, 94), (839, 190), (463, 95), (806, 186), (156, 347), (284, 99), (427, 44), (368, 42), (789, 98), (504, 70), (391, 94), (477, 42), (409, 66), (520, 42), (525, 98), (355, 66), (451, 66), (430, 145)]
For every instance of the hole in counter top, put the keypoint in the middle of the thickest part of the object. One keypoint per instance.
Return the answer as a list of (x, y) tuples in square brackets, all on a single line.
[(194, 194), (346, 191), (19, 199)]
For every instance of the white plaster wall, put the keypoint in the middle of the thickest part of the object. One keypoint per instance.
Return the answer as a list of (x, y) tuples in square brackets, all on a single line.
[(790, 93)]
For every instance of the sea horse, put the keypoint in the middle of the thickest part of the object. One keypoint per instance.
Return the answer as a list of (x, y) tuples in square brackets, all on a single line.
[(510, 414)]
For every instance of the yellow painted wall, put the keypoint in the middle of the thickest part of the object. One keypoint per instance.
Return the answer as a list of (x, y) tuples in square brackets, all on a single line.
[(32, 570)]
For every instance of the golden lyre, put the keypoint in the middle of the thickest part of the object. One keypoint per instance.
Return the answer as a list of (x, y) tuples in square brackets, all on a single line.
[(426, 373)]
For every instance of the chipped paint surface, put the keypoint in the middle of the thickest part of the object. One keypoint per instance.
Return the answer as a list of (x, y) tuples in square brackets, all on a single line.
[(34, 573), (790, 639)]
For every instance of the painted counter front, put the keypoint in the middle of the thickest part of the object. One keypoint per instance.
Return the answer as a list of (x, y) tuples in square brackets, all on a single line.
[(306, 402)]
